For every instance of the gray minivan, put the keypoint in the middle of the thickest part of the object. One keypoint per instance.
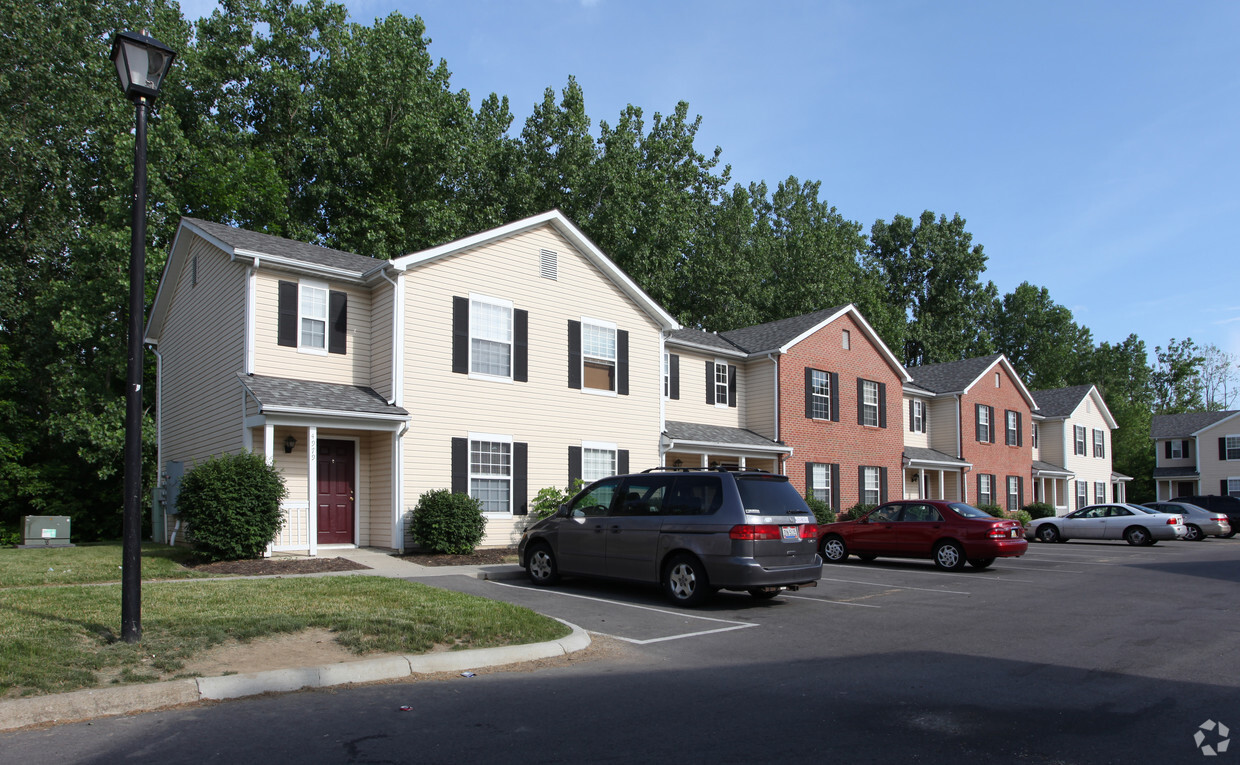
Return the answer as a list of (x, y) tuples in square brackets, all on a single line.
[(692, 530)]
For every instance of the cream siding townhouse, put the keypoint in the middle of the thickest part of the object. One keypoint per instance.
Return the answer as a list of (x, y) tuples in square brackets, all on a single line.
[(499, 364), (1072, 450), (1196, 453)]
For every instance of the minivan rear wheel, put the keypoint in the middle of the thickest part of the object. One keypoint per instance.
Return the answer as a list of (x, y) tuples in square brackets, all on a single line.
[(541, 565), (685, 581)]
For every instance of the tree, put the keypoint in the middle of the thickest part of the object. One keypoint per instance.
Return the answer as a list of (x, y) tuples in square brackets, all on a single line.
[(1176, 378), (1046, 347), (1220, 377), (1123, 376)]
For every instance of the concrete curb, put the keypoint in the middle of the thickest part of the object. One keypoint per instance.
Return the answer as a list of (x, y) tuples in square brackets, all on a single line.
[(104, 702)]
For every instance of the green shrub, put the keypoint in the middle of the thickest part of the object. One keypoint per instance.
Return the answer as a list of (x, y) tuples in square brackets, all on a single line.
[(9, 538), (547, 501), (856, 511), (1023, 516), (821, 510), (1039, 510), (994, 510), (231, 504), (444, 522)]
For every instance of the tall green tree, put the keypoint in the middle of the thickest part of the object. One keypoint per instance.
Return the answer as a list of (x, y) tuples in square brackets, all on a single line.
[(1046, 346), (1176, 378), (1123, 375)]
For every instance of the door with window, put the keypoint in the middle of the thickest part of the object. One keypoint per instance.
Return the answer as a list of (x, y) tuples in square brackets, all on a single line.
[(335, 492)]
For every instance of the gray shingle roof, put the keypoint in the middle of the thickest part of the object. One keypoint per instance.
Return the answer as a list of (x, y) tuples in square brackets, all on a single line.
[(1060, 402), (776, 334), (1176, 472), (1049, 467), (287, 248), (922, 454), (285, 393), (706, 339), (717, 434), (951, 376), (1184, 425)]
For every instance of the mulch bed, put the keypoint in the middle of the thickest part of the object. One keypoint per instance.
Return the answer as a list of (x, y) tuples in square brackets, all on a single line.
[(485, 557)]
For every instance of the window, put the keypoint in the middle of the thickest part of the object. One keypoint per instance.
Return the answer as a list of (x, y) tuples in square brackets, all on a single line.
[(997, 379), (1175, 450), (721, 383), (1100, 492), (1231, 448), (1034, 435), (846, 340), (1082, 494), (1100, 448), (1013, 491), (869, 403), (598, 356), (490, 475), (820, 482), (597, 461), (917, 416), (1013, 428), (1078, 446), (667, 375), (820, 394), (490, 337), (871, 493), (1233, 487), (313, 313), (983, 423), (985, 492)]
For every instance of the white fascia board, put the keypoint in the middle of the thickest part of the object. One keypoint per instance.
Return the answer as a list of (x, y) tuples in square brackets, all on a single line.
[(1020, 384), (1102, 407), (735, 353), (1214, 424), (677, 444), (337, 274)]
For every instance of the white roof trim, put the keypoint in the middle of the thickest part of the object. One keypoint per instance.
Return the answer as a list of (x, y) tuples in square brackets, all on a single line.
[(1020, 384), (1214, 424), (873, 337)]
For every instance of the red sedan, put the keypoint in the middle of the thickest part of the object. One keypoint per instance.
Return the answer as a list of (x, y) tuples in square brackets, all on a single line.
[(949, 533)]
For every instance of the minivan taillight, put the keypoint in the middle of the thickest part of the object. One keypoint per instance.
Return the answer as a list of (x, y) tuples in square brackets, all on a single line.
[(749, 533)]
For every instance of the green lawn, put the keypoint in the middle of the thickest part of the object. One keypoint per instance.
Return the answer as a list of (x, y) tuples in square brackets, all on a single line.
[(62, 638), (89, 563)]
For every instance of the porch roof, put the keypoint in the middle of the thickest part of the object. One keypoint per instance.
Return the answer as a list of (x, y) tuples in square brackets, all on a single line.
[(1051, 470), (1176, 472), (697, 435), (282, 395), (919, 456)]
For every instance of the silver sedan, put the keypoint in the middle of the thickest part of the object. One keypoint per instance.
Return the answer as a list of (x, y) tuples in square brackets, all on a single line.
[(1200, 522), (1134, 524)]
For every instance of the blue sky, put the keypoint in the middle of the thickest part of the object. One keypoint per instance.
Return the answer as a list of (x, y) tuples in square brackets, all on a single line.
[(1092, 147)]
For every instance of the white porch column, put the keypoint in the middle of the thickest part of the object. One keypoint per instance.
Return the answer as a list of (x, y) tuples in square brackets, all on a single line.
[(312, 470), (269, 441), (942, 484), (705, 461), (921, 483)]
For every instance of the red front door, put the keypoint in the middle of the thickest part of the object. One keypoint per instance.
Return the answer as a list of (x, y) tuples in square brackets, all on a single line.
[(335, 492)]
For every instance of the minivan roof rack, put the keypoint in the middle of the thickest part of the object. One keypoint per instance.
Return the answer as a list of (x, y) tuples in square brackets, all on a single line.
[(716, 469)]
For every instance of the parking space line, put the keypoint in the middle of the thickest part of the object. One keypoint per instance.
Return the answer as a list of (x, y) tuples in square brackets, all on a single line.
[(833, 602), (894, 586), (1049, 570), (734, 625)]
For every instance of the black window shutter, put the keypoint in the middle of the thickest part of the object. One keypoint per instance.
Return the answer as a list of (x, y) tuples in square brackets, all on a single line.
[(731, 385), (520, 478), (1222, 488), (574, 464), (912, 425), (979, 488), (925, 417), (1020, 492), (882, 406), (1187, 444), (622, 362), (992, 423), (835, 487), (1168, 450), (1020, 430), (835, 397), (674, 371), (286, 325), (809, 479), (460, 466), (460, 335), (861, 484), (882, 484), (1222, 449), (977, 417), (622, 461), (521, 346), (809, 396), (860, 401), (337, 322), (574, 354), (710, 382)]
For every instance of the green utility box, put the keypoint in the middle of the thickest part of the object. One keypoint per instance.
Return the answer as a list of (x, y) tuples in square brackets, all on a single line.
[(45, 531)]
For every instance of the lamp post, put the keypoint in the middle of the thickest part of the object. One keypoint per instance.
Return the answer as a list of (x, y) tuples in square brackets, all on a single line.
[(141, 63)]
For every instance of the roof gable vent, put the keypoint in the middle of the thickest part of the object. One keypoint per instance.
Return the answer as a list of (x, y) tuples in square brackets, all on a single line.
[(548, 265)]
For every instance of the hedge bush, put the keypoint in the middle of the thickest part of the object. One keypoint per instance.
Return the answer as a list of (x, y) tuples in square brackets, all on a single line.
[(1039, 510), (547, 501), (994, 510), (821, 510), (231, 504), (444, 522), (856, 511)]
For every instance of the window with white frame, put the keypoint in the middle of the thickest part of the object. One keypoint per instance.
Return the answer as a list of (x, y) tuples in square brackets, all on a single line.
[(667, 374), (1034, 434), (997, 379), (721, 383), (490, 337), (983, 423), (490, 475), (1078, 445), (869, 403), (872, 493), (1177, 450), (1233, 487), (820, 482), (1082, 494), (918, 425), (597, 461), (598, 356), (1013, 501), (1232, 447), (313, 312), (1013, 428), (985, 492), (1100, 492), (820, 394), (1100, 444), (846, 340)]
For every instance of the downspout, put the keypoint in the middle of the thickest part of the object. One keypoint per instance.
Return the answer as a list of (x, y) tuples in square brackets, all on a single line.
[(398, 490), (775, 360), (398, 323), (159, 430)]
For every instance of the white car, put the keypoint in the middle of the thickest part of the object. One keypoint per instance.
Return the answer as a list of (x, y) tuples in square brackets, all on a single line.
[(1201, 523), (1132, 523)]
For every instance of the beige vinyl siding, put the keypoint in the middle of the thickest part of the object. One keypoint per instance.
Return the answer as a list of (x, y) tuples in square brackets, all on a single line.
[(918, 439), (1051, 442), (270, 358), (203, 348), (295, 532), (759, 405), (1088, 467), (381, 340), (1214, 470), (692, 406), (944, 425), (376, 454), (543, 412)]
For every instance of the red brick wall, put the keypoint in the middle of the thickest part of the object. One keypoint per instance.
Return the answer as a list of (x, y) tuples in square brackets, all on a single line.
[(997, 459), (846, 443)]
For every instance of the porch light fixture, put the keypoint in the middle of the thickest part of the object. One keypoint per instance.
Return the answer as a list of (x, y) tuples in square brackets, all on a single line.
[(289, 443), (141, 64), (678, 463)]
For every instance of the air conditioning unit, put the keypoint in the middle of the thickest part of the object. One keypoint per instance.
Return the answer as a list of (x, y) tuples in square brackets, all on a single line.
[(45, 531)]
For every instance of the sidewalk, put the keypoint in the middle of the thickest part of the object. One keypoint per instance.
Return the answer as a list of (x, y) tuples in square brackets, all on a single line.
[(103, 702)]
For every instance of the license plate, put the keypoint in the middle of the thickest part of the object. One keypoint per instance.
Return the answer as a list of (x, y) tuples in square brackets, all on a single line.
[(1014, 533), (790, 533)]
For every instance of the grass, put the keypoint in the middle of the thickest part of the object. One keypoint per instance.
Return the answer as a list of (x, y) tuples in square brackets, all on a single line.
[(88, 564), (56, 639)]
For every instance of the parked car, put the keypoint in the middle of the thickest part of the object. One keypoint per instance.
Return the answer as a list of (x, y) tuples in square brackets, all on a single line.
[(692, 530), (1221, 503), (1134, 524), (1198, 522), (949, 533)]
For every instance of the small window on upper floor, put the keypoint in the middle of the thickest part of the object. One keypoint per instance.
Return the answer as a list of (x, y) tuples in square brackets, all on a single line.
[(311, 317), (598, 356), (997, 378), (1035, 434), (490, 337), (846, 339), (1177, 450)]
